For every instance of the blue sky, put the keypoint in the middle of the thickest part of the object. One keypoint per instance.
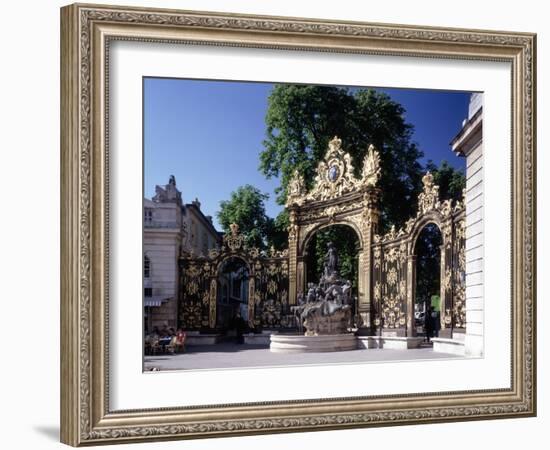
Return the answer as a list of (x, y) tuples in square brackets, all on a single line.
[(209, 134)]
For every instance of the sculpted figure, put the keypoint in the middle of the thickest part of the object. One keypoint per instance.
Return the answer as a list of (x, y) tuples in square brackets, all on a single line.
[(311, 294), (331, 260)]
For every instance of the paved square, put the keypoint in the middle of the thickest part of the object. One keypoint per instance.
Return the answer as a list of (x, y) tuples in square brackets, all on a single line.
[(229, 355)]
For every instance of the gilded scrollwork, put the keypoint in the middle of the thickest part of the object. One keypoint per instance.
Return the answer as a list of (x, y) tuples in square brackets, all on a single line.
[(459, 307), (377, 291), (429, 197), (213, 302), (392, 277), (191, 315), (446, 208), (234, 240), (335, 176), (251, 301), (213, 253), (447, 232), (402, 289), (459, 275), (271, 313), (371, 167), (296, 189), (392, 312), (199, 275), (377, 255), (447, 280)]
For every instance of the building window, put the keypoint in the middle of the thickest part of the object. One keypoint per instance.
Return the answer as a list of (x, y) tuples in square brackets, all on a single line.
[(148, 215), (148, 292), (146, 267)]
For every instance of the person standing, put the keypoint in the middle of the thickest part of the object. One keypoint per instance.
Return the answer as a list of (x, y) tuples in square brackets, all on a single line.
[(429, 323)]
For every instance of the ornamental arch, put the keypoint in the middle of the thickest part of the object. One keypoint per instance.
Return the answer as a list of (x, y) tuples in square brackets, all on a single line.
[(337, 197), (233, 276), (267, 302), (348, 240), (323, 226), (386, 263), (428, 250), (394, 266)]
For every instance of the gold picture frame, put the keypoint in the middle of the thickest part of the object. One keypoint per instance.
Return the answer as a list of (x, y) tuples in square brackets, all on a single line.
[(86, 31)]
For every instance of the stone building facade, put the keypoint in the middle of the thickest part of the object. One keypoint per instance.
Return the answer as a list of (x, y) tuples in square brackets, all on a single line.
[(469, 144), (169, 226)]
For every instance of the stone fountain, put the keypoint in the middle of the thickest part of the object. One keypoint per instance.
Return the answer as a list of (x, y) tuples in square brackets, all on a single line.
[(324, 314)]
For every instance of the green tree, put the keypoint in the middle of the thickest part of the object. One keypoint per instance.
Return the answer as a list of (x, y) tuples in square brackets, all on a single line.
[(277, 236), (246, 208), (428, 259), (301, 120), (451, 181)]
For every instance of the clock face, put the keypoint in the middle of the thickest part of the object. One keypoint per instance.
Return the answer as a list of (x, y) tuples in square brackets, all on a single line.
[(333, 173)]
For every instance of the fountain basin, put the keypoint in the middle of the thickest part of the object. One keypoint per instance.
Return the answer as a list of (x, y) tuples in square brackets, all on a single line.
[(295, 343)]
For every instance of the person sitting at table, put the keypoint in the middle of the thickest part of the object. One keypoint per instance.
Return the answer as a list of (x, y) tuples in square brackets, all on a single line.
[(181, 336), (177, 342)]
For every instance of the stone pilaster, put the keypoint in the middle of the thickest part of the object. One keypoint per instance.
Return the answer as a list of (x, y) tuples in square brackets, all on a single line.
[(369, 227), (292, 259)]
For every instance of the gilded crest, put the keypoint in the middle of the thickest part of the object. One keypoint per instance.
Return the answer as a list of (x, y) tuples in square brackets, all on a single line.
[(371, 167)]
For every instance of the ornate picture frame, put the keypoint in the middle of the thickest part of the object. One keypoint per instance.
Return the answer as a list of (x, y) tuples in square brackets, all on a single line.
[(86, 34)]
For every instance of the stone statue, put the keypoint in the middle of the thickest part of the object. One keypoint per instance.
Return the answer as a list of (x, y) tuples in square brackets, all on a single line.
[(326, 309), (167, 194), (327, 306), (331, 261), (311, 293)]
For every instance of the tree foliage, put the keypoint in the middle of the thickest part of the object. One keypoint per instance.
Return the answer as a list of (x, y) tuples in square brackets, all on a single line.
[(451, 181), (428, 263), (277, 236), (246, 208), (300, 122), (302, 119)]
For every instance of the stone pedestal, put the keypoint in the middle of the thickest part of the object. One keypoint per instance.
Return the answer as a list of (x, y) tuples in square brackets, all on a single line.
[(337, 322), (284, 343), (388, 342)]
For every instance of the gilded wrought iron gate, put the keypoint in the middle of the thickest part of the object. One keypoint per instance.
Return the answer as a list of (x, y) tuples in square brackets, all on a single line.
[(394, 266), (267, 301), (387, 264)]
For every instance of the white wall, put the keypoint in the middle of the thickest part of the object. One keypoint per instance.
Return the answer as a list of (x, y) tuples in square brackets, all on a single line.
[(474, 252), (29, 144)]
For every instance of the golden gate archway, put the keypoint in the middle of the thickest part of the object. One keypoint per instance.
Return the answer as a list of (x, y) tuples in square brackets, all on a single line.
[(386, 263)]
